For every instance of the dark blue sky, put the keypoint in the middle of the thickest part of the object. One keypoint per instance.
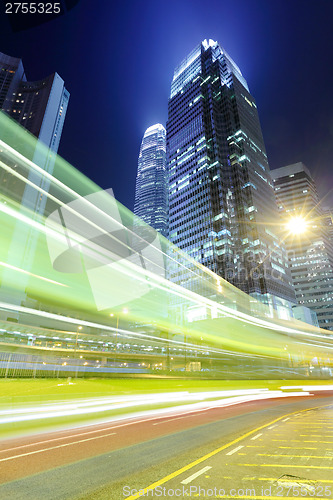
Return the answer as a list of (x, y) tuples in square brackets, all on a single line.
[(117, 60)]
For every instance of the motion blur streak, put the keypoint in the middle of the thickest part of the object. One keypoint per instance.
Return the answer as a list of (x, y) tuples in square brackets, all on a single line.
[(73, 260), (110, 404)]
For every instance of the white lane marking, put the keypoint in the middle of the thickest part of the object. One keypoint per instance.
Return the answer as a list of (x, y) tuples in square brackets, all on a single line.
[(272, 426), (54, 447), (51, 440), (116, 426), (235, 449), (256, 437), (176, 418), (190, 478), (285, 419)]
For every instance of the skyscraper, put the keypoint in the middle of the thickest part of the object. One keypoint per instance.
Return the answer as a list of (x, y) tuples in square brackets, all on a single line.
[(40, 107), (151, 193), (310, 252), (222, 207), (11, 74)]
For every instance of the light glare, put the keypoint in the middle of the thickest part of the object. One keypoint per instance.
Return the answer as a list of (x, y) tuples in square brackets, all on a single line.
[(297, 225)]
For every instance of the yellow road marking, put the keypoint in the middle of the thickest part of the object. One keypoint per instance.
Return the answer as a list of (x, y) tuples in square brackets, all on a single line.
[(309, 425), (292, 456), (314, 435), (296, 441), (167, 478), (297, 448), (286, 480), (286, 465)]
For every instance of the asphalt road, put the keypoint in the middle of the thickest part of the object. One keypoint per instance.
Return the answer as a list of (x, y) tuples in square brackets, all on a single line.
[(290, 456), (261, 447)]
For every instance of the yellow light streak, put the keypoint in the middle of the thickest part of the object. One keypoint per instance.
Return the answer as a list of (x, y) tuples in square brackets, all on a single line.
[(13, 268)]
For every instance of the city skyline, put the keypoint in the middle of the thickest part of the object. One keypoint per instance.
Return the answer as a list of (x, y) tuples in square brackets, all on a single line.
[(133, 364), (296, 120)]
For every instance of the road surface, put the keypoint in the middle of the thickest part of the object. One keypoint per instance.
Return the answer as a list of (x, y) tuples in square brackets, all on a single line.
[(263, 449)]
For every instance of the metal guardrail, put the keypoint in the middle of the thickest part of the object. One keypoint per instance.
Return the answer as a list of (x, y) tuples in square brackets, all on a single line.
[(17, 365), (23, 365)]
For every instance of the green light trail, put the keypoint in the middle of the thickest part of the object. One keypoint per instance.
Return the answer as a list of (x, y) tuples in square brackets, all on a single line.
[(79, 257)]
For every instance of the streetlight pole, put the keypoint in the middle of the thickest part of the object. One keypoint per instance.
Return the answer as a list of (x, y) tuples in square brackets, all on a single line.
[(125, 311), (76, 339), (116, 346)]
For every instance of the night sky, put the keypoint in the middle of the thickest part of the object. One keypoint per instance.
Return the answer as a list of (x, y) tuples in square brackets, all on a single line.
[(117, 61)]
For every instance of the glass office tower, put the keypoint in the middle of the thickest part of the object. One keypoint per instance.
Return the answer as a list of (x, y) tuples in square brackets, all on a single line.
[(151, 193), (222, 209), (310, 252)]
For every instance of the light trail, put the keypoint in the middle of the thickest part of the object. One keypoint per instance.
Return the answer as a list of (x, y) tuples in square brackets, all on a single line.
[(102, 405), (233, 324), (8, 266)]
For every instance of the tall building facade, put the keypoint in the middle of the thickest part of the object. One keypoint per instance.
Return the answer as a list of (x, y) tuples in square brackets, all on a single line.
[(222, 209), (310, 252), (39, 107), (328, 218), (11, 75), (151, 193)]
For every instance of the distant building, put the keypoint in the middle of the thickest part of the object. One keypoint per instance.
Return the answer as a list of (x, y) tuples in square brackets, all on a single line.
[(40, 108), (151, 193), (11, 75), (222, 207), (328, 219), (310, 253), (306, 315)]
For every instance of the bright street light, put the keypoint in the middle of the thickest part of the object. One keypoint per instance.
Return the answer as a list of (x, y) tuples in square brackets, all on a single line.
[(297, 225)]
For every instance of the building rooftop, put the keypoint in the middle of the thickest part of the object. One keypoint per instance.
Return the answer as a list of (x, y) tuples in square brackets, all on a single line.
[(294, 168)]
